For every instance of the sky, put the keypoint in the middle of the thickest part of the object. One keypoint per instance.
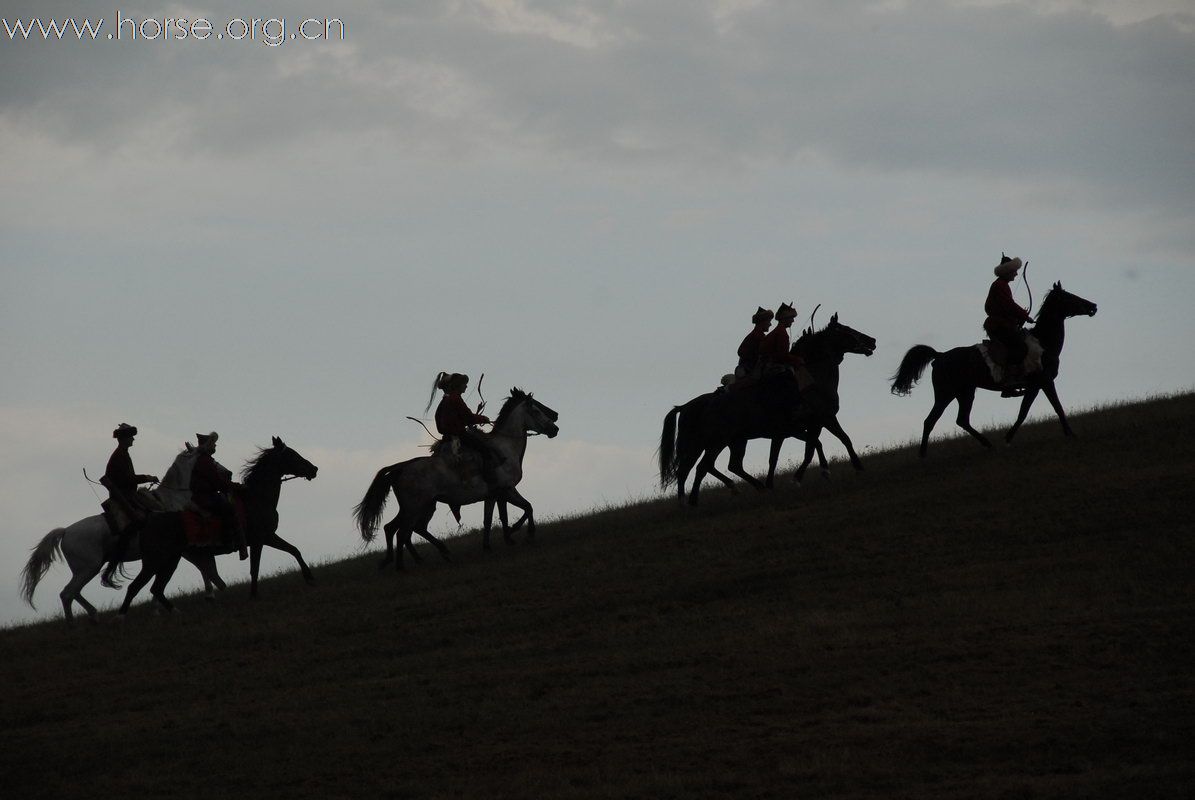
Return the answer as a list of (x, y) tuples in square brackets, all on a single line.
[(587, 200)]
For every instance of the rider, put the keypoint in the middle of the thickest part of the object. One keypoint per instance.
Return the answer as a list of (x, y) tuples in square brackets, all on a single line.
[(749, 349), (211, 489), (774, 349), (1005, 317), (455, 418), (125, 512)]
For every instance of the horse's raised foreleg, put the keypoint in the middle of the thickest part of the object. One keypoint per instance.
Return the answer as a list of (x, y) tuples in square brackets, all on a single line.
[(1026, 403), (278, 543), (520, 502), (835, 427), (1052, 395), (965, 401)]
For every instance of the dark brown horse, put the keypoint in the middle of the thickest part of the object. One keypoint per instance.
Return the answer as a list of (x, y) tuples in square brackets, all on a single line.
[(959, 372), (163, 541), (774, 408)]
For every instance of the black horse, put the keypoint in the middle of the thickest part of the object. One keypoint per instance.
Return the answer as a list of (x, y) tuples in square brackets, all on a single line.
[(163, 541), (959, 372), (774, 408)]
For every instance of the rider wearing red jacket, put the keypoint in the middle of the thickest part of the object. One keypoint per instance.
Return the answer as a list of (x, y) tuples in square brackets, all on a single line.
[(455, 418), (1004, 317)]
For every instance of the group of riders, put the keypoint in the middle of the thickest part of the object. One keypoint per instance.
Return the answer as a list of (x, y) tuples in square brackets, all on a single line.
[(127, 512), (764, 351)]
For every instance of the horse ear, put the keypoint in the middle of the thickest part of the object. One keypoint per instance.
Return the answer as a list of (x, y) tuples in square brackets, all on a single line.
[(835, 317), (1057, 284), (278, 442)]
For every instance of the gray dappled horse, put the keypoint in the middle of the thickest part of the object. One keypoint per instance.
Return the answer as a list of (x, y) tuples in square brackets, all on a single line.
[(86, 544), (456, 480), (959, 372)]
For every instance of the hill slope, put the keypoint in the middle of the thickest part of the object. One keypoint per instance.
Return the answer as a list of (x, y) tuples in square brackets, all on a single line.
[(1014, 623)]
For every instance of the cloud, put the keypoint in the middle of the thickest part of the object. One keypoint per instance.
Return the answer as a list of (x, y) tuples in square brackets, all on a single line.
[(978, 89)]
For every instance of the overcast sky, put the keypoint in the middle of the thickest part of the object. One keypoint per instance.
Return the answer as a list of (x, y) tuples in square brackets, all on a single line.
[(587, 200)]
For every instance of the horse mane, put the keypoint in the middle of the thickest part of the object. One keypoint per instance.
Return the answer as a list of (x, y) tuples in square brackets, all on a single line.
[(808, 338), (517, 396), (1047, 301), (255, 464)]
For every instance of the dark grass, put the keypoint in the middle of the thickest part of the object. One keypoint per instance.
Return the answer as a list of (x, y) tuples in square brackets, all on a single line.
[(1008, 624)]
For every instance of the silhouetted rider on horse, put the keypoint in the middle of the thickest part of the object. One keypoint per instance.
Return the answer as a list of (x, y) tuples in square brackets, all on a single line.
[(212, 488), (124, 511), (1005, 318), (455, 421)]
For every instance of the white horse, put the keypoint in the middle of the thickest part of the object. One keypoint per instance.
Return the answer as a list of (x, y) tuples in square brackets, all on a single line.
[(418, 484), (86, 545)]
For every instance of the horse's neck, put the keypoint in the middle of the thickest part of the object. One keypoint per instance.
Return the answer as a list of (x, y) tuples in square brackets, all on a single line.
[(512, 438), (1050, 331), (264, 488)]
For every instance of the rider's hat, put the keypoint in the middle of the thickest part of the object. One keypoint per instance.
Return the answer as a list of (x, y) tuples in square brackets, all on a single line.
[(762, 315), (1008, 267), (124, 429), (204, 438), (786, 311)]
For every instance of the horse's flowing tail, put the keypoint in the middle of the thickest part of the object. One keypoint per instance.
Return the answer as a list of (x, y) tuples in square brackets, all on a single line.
[(911, 367), (369, 511), (668, 448), (43, 555)]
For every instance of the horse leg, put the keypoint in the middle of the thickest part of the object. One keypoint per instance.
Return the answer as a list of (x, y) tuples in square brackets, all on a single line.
[(834, 427), (142, 578), (74, 591), (705, 465), (738, 451), (389, 529), (1026, 401), (164, 573), (487, 522), (965, 400), (941, 400), (1052, 395), (520, 502), (439, 545), (278, 543), (773, 459), (812, 445), (205, 562), (684, 463)]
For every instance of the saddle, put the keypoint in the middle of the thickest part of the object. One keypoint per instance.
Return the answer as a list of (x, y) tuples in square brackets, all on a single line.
[(1011, 377), (462, 459)]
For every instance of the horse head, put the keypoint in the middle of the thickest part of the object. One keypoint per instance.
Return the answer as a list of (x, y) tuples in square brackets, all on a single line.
[(277, 461), (291, 463), (532, 415), (1067, 304), (848, 340)]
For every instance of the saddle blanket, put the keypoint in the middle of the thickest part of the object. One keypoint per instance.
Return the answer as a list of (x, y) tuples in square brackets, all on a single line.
[(1032, 358), (201, 531)]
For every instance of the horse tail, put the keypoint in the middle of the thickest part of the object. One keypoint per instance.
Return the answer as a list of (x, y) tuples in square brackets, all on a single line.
[(911, 367), (668, 448), (369, 511), (43, 555)]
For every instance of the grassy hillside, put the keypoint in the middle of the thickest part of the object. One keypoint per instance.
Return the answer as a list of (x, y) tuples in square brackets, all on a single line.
[(1008, 624)]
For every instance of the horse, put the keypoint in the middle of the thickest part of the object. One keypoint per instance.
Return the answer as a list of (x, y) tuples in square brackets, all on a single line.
[(774, 408), (959, 372), (419, 483), (163, 540), (86, 544)]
